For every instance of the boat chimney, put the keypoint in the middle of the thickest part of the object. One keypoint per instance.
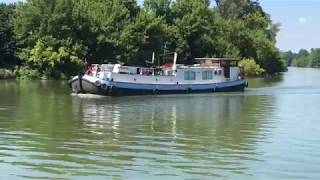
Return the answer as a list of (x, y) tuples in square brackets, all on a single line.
[(174, 66), (152, 57)]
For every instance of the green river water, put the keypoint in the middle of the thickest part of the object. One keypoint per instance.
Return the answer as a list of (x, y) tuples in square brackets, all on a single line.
[(270, 131)]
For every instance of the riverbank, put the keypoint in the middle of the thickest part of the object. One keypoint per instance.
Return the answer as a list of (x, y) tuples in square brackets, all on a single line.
[(26, 73)]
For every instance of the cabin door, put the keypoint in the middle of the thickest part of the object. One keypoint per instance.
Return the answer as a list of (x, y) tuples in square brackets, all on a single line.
[(226, 70)]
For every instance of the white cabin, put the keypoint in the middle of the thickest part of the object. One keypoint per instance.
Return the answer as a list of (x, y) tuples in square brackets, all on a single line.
[(203, 71)]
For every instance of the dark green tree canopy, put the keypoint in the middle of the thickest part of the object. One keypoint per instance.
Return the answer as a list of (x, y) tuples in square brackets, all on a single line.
[(61, 36), (7, 43)]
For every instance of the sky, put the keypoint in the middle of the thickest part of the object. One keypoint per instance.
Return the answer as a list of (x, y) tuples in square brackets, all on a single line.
[(300, 22), (299, 19)]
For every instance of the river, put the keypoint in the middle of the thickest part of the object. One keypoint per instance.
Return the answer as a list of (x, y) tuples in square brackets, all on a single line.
[(270, 131)]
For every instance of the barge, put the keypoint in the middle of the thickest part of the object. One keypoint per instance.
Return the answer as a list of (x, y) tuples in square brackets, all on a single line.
[(206, 75)]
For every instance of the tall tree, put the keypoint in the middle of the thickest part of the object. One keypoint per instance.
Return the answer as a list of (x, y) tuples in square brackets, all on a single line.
[(158, 7), (7, 44), (47, 36), (302, 59), (315, 58), (288, 57), (251, 30), (199, 31), (231, 8)]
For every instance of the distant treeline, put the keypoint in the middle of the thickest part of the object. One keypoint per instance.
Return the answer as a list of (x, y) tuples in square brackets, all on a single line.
[(56, 38), (303, 58)]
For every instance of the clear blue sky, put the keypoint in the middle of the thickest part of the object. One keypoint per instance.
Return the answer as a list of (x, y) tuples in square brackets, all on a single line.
[(300, 22), (299, 19)]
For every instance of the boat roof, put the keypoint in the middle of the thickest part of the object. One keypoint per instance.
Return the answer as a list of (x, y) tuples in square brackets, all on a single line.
[(217, 59), (198, 67)]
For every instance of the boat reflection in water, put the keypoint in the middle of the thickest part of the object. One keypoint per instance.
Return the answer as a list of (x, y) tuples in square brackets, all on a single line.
[(175, 135)]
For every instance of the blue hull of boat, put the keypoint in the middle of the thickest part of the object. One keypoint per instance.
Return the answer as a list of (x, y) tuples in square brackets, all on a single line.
[(111, 88)]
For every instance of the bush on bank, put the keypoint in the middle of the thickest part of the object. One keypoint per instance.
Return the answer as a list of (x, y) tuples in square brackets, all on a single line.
[(251, 68), (25, 72), (6, 74)]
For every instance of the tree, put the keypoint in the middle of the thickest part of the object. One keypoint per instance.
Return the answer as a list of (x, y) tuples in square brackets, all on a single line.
[(198, 31), (306, 59), (288, 57), (302, 59), (315, 58), (7, 43), (252, 32), (153, 33), (231, 8), (54, 36), (47, 37), (161, 8), (238, 9)]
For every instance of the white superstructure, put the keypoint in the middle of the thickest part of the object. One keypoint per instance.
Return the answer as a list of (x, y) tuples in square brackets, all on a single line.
[(205, 71), (206, 74)]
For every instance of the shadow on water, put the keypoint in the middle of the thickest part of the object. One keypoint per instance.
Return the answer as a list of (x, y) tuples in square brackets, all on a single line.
[(265, 82)]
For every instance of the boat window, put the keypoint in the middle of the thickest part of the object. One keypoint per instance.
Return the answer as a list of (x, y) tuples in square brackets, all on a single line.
[(189, 75), (207, 75)]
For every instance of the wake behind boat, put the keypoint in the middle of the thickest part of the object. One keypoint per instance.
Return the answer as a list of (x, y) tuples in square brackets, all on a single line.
[(205, 75)]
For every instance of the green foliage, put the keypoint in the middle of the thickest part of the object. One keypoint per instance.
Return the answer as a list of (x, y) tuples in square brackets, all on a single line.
[(195, 27), (58, 37), (161, 8), (302, 59), (306, 59), (251, 68), (25, 72), (52, 60), (302, 62), (251, 32), (288, 57), (48, 37), (7, 43), (315, 58)]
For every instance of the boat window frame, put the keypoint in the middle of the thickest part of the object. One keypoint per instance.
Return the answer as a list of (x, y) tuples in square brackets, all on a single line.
[(207, 75), (189, 75)]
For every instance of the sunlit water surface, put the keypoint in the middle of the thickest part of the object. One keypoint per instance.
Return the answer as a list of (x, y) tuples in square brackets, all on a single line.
[(270, 131)]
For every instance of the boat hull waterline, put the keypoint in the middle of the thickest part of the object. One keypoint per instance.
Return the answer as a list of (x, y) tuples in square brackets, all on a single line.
[(87, 84)]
